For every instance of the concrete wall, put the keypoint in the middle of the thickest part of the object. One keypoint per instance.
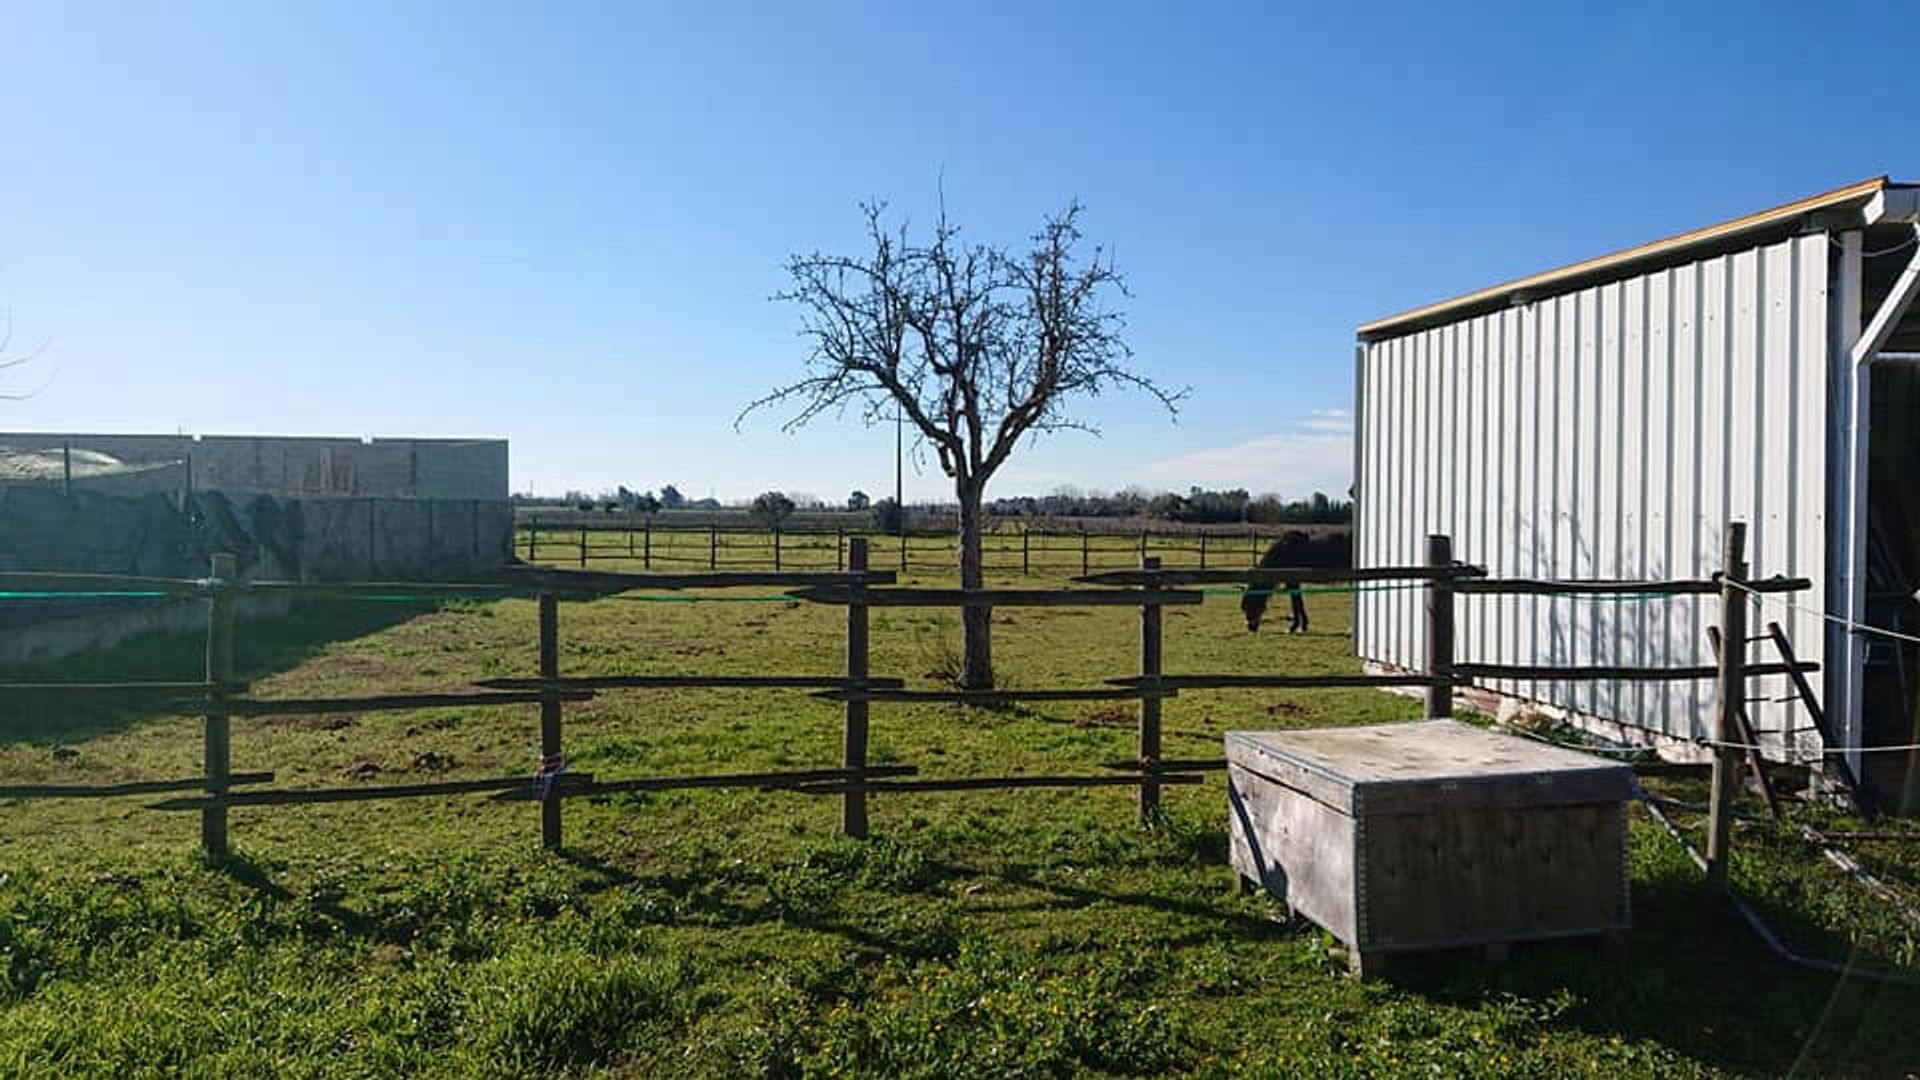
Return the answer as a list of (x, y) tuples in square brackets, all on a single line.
[(301, 466), (315, 539)]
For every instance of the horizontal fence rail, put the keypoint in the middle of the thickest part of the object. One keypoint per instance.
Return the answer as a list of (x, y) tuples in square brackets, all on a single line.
[(853, 584), (1008, 548)]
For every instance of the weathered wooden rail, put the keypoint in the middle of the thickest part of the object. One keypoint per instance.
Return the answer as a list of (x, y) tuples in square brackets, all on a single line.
[(219, 696)]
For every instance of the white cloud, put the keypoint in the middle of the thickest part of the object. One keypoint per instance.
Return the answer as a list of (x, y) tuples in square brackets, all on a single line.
[(1312, 454)]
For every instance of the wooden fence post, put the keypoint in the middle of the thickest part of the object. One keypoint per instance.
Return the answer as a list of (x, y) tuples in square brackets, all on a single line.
[(629, 536), (551, 758), (840, 548), (776, 549), (713, 547), (583, 547), (1026, 548), (646, 544), (1085, 563), (853, 757), (1203, 551), (218, 736), (533, 539), (1730, 691), (1440, 629), (1150, 705), (1253, 549)]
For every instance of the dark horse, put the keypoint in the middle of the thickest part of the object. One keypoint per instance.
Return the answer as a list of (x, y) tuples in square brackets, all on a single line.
[(1293, 549)]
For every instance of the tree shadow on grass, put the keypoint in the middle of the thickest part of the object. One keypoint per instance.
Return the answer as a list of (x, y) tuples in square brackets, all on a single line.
[(264, 645)]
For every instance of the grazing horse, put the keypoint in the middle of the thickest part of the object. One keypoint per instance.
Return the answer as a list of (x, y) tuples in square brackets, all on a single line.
[(1253, 603), (1294, 548)]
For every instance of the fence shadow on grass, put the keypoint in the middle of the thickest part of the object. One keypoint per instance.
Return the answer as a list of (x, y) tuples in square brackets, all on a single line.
[(265, 644)]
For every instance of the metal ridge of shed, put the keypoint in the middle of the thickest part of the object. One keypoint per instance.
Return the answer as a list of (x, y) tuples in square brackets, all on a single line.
[(1617, 263)]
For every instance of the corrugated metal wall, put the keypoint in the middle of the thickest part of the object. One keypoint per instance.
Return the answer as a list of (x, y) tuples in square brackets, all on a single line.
[(1607, 433)]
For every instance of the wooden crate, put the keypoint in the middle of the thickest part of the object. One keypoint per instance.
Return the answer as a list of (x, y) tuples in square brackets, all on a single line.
[(1429, 835)]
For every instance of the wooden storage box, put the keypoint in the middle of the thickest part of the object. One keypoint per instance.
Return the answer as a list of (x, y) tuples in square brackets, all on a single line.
[(1430, 835)]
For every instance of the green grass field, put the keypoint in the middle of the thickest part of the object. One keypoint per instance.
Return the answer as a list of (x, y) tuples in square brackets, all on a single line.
[(731, 933)]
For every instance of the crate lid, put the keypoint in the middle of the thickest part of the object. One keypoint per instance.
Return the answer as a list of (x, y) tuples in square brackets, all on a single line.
[(1426, 765)]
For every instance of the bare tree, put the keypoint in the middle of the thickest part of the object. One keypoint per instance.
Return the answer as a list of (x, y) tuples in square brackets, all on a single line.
[(9, 359), (980, 348)]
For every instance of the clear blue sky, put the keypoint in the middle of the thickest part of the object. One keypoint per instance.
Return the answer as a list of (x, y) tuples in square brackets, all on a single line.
[(562, 228)]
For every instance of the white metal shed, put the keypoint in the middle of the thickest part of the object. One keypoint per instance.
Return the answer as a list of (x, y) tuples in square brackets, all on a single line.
[(1606, 419)]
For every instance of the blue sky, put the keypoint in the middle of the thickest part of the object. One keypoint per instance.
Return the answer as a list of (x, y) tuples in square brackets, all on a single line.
[(562, 226)]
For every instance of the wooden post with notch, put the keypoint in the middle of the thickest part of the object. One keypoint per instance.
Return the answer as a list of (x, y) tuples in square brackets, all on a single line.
[(713, 547), (646, 543), (776, 549), (1440, 629), (1756, 764), (1729, 694), (583, 547), (853, 755), (1026, 551), (218, 736), (1085, 562), (551, 758), (1150, 654)]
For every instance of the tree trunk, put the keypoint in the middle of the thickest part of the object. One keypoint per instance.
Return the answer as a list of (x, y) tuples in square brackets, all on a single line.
[(976, 622)]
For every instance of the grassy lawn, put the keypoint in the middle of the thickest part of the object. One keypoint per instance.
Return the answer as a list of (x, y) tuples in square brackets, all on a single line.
[(721, 933)]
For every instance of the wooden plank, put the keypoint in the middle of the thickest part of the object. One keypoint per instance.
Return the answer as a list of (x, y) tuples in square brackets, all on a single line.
[(189, 691), (217, 724), (424, 589), (1537, 587), (1275, 575), (993, 697), (1440, 605), (1151, 651), (1729, 698), (1624, 673), (674, 682), (35, 581), (1170, 765), (607, 581), (131, 787), (1756, 766), (1271, 682), (393, 702), (779, 780), (999, 597), (366, 793), (552, 758), (853, 741), (989, 783)]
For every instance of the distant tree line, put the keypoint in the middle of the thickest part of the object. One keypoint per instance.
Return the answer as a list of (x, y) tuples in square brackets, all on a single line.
[(1198, 506)]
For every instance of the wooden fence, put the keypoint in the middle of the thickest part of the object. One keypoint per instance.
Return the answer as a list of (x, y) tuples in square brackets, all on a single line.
[(219, 698), (1057, 552)]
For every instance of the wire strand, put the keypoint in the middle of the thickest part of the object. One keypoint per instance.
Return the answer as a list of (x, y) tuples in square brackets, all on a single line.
[(1759, 598)]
